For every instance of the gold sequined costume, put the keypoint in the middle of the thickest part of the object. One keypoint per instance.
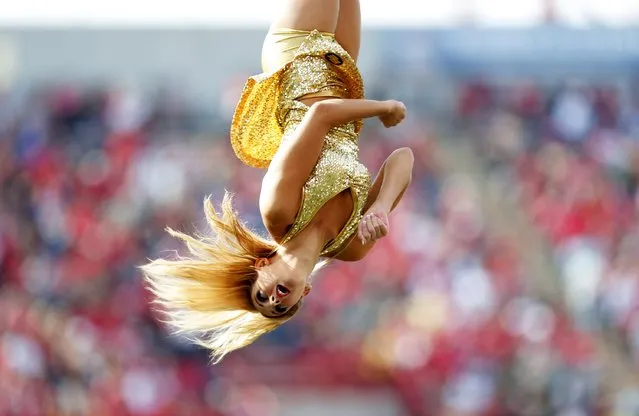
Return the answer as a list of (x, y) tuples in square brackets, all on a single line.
[(300, 64)]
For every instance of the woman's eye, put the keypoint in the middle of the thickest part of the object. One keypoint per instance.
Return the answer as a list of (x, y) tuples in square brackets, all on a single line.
[(260, 296), (280, 309)]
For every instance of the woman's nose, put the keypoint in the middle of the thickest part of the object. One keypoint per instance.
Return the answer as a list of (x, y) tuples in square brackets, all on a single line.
[(275, 300)]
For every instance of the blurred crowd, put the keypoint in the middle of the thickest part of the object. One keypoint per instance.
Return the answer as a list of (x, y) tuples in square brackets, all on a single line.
[(570, 155), (90, 177)]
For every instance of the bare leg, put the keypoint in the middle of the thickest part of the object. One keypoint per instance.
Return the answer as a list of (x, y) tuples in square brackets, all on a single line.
[(349, 27), (308, 15)]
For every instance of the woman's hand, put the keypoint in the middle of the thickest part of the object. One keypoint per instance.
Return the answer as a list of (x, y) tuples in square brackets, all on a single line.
[(396, 113), (373, 225)]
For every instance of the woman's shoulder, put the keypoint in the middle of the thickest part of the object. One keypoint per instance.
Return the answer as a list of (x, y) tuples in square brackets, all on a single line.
[(278, 212)]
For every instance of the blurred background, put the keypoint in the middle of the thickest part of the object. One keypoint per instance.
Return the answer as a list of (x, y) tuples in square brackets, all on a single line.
[(509, 284)]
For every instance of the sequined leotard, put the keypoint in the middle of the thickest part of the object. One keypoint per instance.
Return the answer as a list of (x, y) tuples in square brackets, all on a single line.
[(270, 111)]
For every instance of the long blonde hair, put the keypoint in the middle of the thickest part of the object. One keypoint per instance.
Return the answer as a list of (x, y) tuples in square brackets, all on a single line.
[(207, 296)]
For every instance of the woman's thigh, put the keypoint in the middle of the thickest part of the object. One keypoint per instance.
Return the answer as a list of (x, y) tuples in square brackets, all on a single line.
[(308, 15)]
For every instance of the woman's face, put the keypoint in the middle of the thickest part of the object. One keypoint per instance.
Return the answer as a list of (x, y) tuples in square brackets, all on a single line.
[(277, 288)]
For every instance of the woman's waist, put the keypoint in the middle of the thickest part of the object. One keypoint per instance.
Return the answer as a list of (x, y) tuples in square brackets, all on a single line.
[(339, 166)]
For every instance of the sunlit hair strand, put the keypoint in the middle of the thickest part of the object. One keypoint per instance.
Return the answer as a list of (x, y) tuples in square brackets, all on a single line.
[(206, 296)]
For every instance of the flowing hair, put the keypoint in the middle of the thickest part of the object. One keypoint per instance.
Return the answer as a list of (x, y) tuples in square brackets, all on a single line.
[(207, 296)]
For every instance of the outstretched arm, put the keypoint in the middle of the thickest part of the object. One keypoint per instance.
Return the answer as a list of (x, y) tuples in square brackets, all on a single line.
[(387, 190), (337, 111), (296, 157)]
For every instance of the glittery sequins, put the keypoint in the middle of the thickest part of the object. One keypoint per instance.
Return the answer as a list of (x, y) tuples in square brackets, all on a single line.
[(269, 112), (256, 129), (337, 169)]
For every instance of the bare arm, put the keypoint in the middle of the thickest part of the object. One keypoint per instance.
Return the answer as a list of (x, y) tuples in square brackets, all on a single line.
[(295, 159), (394, 177), (338, 111)]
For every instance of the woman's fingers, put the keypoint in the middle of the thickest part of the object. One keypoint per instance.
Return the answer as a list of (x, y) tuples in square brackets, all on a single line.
[(372, 227), (380, 228), (363, 232)]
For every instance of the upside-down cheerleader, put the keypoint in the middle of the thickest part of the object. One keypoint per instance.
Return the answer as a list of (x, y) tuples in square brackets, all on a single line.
[(300, 120)]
